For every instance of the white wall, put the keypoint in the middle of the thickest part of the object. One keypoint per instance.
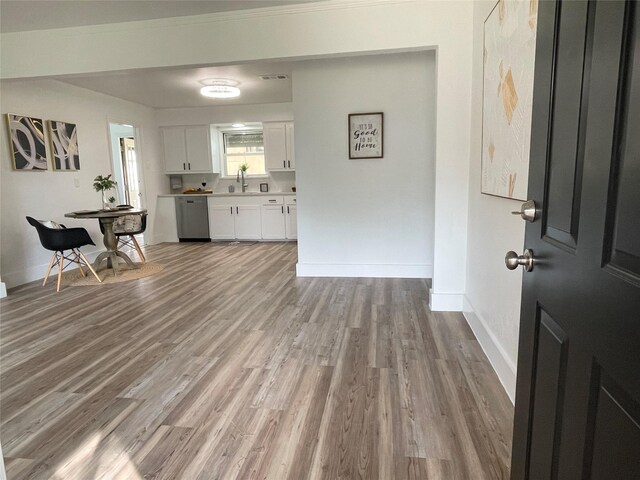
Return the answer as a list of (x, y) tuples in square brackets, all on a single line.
[(49, 195), (492, 301), (263, 112), (331, 28), (370, 217)]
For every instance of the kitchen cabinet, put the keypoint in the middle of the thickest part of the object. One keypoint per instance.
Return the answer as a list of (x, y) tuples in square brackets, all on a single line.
[(273, 218), (221, 222), (279, 153), (291, 219), (188, 150), (248, 222), (235, 218), (175, 150), (291, 154)]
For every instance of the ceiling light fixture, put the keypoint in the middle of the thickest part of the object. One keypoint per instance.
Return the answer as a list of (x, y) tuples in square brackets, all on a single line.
[(219, 88), (220, 91)]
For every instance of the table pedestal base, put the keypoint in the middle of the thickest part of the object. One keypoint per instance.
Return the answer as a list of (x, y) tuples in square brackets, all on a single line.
[(112, 260), (112, 253)]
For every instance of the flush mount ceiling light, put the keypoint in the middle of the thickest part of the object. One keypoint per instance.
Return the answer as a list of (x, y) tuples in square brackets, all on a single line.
[(219, 88)]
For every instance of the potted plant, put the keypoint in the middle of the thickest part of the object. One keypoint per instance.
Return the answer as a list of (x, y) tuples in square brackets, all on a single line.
[(102, 185)]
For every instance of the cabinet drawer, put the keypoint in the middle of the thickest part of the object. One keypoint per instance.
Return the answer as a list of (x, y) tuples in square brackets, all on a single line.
[(290, 200), (275, 200)]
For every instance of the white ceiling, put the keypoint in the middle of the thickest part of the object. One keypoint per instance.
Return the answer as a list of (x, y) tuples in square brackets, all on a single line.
[(180, 87), (25, 15)]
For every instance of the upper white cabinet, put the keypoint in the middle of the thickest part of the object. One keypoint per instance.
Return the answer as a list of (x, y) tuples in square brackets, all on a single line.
[(279, 152), (175, 150), (188, 150), (291, 154)]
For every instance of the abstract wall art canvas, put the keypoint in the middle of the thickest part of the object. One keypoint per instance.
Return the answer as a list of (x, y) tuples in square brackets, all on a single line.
[(26, 137), (63, 139), (509, 58)]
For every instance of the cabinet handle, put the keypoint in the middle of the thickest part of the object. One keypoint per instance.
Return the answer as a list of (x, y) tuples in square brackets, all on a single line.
[(184, 166), (287, 208), (231, 208), (237, 213), (289, 162), (284, 164), (282, 208), (189, 165)]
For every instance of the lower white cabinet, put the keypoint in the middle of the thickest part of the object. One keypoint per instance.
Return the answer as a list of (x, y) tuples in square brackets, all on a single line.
[(273, 222), (291, 222), (247, 220), (221, 222), (234, 218)]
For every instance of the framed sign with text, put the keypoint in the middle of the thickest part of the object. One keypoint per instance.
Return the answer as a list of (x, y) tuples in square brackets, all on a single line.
[(365, 135)]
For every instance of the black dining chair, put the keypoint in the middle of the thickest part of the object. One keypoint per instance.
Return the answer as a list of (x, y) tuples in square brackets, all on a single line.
[(126, 227), (59, 240)]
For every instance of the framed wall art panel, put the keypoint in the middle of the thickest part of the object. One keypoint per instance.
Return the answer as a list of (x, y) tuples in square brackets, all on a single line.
[(365, 135), (26, 142), (509, 58), (63, 138)]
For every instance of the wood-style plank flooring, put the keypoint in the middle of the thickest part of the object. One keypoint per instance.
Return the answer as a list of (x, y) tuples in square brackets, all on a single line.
[(225, 365)]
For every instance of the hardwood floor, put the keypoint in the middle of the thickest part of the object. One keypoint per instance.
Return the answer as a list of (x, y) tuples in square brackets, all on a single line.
[(225, 365)]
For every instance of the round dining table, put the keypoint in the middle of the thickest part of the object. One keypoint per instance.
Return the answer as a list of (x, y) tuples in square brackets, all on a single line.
[(106, 219)]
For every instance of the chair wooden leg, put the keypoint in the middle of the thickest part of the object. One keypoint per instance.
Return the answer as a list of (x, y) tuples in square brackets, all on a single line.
[(137, 245), (60, 266), (46, 277), (79, 262), (84, 259)]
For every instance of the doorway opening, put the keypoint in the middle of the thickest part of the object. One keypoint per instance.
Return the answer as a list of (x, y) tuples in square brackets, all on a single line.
[(126, 166)]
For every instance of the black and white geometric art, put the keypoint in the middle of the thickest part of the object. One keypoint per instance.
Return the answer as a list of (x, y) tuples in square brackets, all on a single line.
[(63, 138), (26, 135)]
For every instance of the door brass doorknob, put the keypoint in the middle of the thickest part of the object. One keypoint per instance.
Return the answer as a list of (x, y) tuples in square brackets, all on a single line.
[(512, 260)]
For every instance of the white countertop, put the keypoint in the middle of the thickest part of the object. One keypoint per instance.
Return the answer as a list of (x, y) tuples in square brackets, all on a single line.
[(226, 194)]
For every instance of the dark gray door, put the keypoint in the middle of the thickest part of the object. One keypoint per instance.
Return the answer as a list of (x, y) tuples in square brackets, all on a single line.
[(578, 389)]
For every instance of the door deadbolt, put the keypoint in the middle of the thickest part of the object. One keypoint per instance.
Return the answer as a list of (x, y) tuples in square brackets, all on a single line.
[(528, 211), (512, 260)]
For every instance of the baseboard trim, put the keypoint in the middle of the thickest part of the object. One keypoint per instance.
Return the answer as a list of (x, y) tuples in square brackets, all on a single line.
[(445, 302), (364, 270), (504, 367), (36, 272)]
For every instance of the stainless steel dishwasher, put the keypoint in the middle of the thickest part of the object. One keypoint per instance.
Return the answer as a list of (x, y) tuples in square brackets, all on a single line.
[(192, 218)]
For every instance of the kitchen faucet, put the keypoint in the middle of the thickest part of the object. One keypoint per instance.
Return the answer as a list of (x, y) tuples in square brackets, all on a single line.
[(244, 185)]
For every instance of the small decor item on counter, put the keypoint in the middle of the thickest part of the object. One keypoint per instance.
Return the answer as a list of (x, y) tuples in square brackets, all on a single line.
[(365, 135), (293, 189), (112, 202), (103, 185), (26, 143), (232, 188), (264, 187)]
